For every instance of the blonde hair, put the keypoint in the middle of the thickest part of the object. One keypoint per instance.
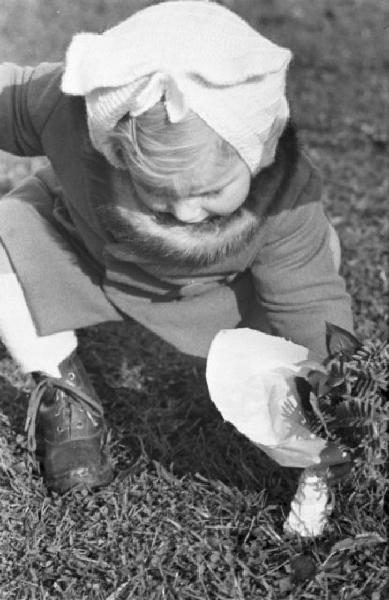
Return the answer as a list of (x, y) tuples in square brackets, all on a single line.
[(160, 154)]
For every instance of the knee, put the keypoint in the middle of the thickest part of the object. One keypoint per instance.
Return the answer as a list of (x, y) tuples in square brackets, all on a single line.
[(8, 206), (335, 247), (32, 194), (12, 211), (33, 191)]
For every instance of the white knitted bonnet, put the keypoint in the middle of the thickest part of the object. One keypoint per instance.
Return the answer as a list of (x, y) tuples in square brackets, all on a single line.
[(194, 55)]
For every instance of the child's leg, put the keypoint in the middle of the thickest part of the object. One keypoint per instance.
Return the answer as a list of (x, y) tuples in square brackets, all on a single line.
[(61, 281), (65, 424), (17, 331)]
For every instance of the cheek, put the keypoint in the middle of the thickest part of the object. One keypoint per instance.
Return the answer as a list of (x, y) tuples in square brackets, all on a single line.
[(232, 199), (151, 202)]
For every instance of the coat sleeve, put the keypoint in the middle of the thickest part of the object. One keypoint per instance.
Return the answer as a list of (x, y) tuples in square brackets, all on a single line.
[(294, 275), (28, 95)]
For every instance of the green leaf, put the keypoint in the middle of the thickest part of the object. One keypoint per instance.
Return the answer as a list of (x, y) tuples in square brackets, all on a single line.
[(362, 539), (314, 377), (340, 341)]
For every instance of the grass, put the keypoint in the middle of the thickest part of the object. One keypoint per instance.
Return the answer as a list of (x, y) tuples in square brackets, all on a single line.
[(195, 511)]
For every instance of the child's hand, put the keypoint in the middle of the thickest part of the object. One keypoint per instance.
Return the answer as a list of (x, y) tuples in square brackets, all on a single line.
[(336, 473), (332, 455)]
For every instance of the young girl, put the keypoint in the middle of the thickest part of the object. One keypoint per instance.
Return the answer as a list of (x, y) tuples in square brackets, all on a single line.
[(177, 195)]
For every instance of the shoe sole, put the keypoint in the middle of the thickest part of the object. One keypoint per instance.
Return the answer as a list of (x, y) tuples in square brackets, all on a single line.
[(81, 477)]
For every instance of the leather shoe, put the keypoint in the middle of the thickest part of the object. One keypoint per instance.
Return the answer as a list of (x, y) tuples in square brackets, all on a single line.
[(67, 431)]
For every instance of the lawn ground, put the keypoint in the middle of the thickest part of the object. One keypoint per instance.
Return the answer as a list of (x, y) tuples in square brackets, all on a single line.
[(196, 511)]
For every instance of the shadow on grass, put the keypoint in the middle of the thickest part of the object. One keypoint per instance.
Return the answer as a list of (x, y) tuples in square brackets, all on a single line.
[(156, 402)]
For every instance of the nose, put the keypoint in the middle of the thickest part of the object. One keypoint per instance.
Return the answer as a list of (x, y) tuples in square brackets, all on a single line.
[(188, 211)]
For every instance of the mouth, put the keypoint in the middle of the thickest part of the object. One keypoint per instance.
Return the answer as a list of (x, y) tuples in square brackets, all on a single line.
[(210, 224)]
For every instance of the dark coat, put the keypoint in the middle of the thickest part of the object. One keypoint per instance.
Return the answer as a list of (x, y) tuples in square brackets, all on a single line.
[(74, 274)]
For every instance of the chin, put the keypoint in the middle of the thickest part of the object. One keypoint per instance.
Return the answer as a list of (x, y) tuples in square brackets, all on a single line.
[(163, 240), (193, 245)]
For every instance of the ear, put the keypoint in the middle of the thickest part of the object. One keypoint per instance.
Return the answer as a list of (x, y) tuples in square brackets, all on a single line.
[(339, 340)]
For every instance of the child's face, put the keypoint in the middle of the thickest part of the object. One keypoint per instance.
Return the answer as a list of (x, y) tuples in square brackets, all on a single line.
[(196, 202), (197, 224)]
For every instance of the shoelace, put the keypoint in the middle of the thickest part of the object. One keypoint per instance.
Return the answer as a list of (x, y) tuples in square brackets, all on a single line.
[(89, 404)]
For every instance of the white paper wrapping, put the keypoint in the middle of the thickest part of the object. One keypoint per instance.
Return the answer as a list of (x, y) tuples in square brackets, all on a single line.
[(250, 377)]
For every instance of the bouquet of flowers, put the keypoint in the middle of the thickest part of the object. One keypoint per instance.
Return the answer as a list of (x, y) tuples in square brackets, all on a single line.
[(316, 415), (348, 404)]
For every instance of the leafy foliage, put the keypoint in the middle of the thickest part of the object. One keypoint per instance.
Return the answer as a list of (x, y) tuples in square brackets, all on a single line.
[(349, 404)]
